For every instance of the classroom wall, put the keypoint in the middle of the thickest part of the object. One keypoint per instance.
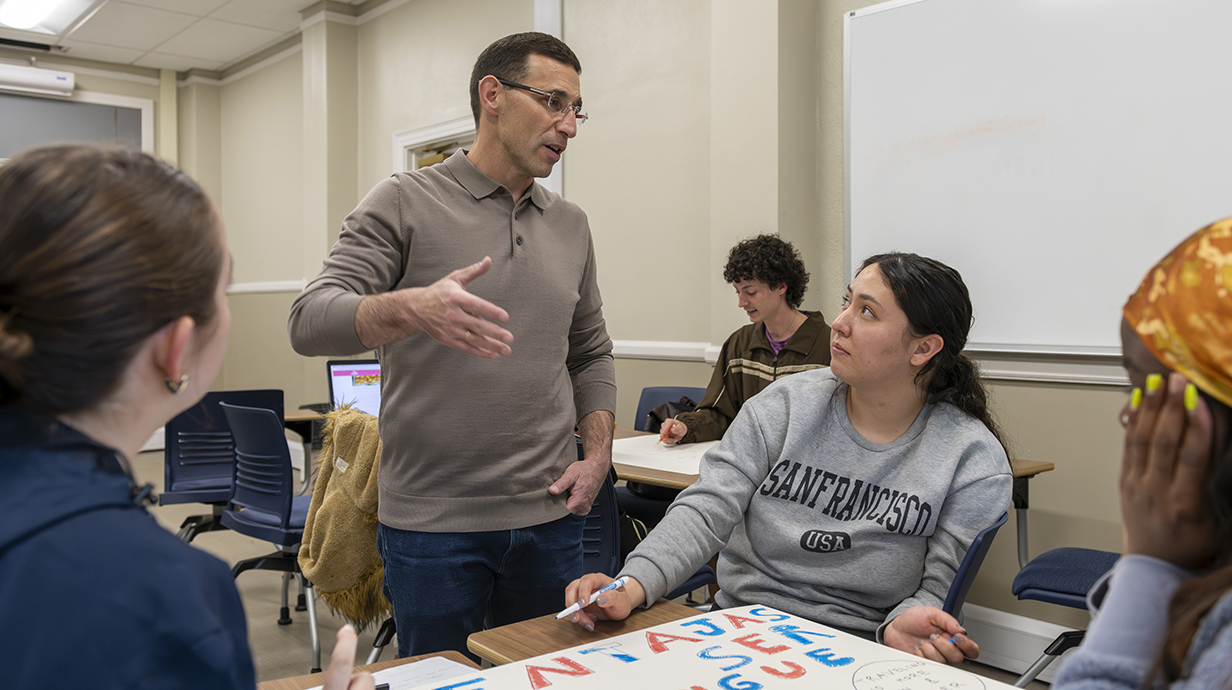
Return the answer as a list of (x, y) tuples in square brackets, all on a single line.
[(414, 63), (261, 152), (639, 166), (712, 120)]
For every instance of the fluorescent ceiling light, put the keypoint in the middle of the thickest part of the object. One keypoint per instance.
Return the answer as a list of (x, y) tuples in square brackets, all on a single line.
[(42, 16)]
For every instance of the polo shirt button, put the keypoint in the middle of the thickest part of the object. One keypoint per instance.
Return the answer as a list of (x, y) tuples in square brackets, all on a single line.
[(519, 240)]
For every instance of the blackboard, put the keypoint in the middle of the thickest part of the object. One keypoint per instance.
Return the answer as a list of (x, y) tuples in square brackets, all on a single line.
[(1049, 150)]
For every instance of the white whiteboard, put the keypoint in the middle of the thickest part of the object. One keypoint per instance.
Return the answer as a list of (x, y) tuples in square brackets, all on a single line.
[(1050, 150)]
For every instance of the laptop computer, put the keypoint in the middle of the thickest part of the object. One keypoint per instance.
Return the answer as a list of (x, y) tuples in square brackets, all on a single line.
[(355, 381)]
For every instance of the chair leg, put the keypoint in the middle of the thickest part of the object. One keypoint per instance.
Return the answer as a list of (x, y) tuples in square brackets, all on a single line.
[(300, 603), (284, 617), (312, 623), (382, 639), (1064, 642)]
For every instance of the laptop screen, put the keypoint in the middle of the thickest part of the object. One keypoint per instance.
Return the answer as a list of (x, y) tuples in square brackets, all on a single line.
[(355, 381)]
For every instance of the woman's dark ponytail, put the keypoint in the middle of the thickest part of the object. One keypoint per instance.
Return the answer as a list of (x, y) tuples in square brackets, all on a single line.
[(935, 300)]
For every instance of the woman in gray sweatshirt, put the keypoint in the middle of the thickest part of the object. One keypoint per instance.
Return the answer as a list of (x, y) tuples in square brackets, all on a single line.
[(846, 495)]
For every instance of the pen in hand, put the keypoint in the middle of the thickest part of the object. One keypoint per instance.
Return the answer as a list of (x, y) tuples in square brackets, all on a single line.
[(616, 584)]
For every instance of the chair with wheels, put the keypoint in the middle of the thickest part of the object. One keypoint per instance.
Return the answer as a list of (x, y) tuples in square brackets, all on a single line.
[(263, 504), (649, 503), (1061, 576), (199, 454)]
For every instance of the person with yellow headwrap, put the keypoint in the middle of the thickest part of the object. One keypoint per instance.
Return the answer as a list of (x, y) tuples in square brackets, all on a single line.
[(1163, 616)]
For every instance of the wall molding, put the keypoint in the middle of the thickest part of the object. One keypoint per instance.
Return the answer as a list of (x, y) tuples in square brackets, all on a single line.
[(269, 286), (247, 71), (665, 351), (331, 16), (1011, 642), (380, 10), (995, 365), (461, 127)]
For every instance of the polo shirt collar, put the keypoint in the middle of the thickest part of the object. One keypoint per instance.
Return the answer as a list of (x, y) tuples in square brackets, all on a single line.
[(481, 186)]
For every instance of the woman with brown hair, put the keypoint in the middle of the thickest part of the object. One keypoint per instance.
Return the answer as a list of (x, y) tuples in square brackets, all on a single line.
[(891, 452), (1163, 616), (113, 320)]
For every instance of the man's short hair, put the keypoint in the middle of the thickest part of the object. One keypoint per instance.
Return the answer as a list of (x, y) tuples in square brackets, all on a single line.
[(507, 59)]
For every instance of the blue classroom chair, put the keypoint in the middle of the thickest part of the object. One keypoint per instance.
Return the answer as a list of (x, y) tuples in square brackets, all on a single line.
[(263, 504), (650, 509), (199, 452), (1060, 576)]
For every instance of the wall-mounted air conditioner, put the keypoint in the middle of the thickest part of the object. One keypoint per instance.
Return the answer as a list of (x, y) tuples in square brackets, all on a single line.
[(36, 80)]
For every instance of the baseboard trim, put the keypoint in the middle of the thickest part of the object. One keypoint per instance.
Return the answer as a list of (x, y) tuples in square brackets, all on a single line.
[(1008, 641)]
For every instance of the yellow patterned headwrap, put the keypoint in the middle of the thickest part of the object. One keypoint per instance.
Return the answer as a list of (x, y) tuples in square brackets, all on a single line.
[(1183, 310)]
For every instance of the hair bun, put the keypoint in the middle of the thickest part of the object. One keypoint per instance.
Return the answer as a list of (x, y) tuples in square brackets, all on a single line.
[(14, 345)]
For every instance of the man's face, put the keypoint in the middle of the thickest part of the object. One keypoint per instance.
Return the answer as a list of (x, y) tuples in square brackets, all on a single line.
[(532, 136)]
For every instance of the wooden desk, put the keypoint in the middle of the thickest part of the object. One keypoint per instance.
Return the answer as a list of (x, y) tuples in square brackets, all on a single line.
[(293, 416), (543, 635), (314, 679)]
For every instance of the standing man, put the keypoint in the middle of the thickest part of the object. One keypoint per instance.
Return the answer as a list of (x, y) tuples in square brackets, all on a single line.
[(481, 492)]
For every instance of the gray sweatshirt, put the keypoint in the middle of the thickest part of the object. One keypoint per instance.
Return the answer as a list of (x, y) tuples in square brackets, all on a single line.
[(817, 521), (1130, 609)]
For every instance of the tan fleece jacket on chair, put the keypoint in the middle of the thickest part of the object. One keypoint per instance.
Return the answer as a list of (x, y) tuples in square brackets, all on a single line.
[(338, 553)]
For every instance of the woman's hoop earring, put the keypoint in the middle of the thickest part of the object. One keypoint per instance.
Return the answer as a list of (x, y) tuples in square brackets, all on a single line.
[(176, 387)]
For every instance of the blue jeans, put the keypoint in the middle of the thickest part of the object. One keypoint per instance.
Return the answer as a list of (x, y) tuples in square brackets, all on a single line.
[(445, 586)]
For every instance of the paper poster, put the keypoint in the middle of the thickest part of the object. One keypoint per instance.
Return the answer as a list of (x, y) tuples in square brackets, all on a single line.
[(747, 648), (647, 452)]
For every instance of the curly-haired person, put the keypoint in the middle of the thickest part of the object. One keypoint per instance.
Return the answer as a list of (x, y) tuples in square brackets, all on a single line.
[(770, 282)]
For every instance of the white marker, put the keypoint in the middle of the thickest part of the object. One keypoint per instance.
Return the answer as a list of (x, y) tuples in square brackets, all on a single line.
[(595, 595)]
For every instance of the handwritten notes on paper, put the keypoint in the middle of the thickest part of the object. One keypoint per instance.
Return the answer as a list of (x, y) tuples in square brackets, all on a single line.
[(746, 648), (647, 452)]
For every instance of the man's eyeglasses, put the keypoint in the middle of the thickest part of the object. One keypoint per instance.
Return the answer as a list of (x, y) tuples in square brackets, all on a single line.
[(554, 101)]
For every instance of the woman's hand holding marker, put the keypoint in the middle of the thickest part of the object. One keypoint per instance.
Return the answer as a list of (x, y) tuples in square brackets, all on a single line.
[(614, 605), (929, 632)]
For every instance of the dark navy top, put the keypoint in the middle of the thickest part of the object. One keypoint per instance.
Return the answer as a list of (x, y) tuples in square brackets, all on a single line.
[(93, 592)]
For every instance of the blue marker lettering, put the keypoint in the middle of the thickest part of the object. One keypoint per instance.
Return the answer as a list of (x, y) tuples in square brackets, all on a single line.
[(711, 629), (793, 632), (826, 656), (706, 654), (610, 650)]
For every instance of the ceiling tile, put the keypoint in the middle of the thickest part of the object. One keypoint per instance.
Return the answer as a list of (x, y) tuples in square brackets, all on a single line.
[(93, 51), (178, 63), (220, 41), (198, 8), (279, 15), (130, 26)]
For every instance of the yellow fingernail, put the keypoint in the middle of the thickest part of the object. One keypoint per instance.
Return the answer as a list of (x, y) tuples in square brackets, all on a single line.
[(1135, 398), (1153, 382), (1191, 397)]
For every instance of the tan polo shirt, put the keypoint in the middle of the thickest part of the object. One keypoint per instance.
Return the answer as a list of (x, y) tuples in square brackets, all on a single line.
[(470, 444)]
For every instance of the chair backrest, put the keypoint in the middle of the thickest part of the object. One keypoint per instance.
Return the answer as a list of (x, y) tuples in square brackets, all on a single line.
[(601, 532), (198, 445), (262, 477), (653, 396), (969, 567)]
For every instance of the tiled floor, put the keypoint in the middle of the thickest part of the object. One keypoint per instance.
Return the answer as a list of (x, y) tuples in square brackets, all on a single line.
[(281, 651)]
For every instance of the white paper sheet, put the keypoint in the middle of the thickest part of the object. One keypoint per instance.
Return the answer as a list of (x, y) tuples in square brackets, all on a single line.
[(429, 671), (647, 452)]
